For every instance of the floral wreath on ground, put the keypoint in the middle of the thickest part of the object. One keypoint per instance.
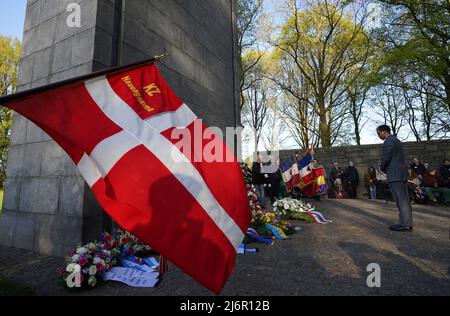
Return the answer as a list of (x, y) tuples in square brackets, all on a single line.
[(294, 209), (93, 259), (261, 217)]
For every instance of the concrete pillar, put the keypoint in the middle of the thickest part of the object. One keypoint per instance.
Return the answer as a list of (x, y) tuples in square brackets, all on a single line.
[(47, 206)]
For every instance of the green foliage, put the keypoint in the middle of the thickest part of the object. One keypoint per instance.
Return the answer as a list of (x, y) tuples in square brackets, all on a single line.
[(415, 38), (322, 49), (9, 63)]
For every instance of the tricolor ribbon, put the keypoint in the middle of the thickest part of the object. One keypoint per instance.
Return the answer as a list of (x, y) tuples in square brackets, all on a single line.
[(254, 234), (318, 217), (277, 232)]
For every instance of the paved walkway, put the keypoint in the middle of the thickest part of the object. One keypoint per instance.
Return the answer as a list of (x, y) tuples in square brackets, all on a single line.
[(323, 260)]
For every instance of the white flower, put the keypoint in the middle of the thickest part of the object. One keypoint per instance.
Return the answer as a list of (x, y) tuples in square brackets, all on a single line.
[(75, 258), (286, 206), (81, 250), (99, 260), (92, 281), (92, 270), (73, 267)]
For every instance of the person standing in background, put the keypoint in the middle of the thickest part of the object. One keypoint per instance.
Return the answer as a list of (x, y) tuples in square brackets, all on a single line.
[(351, 177), (394, 165), (336, 176), (444, 172), (274, 180), (371, 182)]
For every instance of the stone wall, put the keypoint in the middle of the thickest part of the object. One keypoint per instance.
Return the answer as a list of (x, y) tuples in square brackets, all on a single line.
[(47, 206), (369, 155)]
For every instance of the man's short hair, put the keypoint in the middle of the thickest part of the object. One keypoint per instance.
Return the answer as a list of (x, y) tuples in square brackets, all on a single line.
[(384, 128)]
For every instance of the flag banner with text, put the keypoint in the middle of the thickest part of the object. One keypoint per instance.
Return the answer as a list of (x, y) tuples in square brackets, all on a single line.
[(119, 130)]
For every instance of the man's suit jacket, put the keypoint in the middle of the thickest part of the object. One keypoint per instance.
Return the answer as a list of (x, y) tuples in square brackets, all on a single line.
[(393, 163)]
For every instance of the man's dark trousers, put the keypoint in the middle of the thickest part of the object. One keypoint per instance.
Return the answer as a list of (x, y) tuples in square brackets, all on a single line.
[(400, 192), (394, 165)]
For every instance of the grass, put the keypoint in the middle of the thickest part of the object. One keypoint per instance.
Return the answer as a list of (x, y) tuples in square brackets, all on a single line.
[(9, 289)]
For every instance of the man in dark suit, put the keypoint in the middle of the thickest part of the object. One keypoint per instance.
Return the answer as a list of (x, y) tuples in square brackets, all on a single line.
[(394, 165)]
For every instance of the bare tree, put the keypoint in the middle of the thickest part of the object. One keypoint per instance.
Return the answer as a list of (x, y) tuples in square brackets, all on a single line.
[(357, 96), (295, 103), (274, 135), (255, 109), (390, 107)]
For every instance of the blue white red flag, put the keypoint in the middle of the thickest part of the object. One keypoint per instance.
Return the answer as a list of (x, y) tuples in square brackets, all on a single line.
[(290, 173)]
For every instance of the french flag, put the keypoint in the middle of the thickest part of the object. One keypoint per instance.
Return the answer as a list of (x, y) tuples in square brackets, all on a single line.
[(290, 173), (305, 169)]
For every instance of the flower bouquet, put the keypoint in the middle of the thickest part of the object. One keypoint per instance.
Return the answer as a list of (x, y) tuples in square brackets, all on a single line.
[(293, 209), (85, 266), (262, 217)]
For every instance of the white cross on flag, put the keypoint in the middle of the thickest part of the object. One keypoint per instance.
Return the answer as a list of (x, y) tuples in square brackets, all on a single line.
[(117, 128)]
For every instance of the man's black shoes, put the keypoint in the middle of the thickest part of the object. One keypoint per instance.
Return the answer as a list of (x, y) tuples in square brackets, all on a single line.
[(399, 228)]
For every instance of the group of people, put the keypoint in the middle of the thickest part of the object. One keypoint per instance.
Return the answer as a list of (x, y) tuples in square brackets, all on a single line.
[(427, 183), (404, 182), (268, 180), (424, 183), (343, 183)]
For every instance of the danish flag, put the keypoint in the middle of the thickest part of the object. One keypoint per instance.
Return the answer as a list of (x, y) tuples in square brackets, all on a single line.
[(117, 129)]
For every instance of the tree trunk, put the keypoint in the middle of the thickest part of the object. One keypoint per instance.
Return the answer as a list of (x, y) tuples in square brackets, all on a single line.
[(325, 134), (256, 141), (357, 136), (447, 88), (324, 127)]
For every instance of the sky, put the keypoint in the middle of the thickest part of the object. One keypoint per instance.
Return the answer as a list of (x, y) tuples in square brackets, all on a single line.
[(12, 17)]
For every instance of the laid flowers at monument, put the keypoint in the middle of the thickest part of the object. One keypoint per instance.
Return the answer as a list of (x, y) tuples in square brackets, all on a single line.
[(299, 210), (253, 199), (293, 209), (89, 263)]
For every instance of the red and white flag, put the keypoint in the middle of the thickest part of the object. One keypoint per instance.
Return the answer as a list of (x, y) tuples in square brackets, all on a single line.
[(117, 129)]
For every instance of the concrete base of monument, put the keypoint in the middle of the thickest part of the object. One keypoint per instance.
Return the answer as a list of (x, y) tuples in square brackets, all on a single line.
[(323, 260)]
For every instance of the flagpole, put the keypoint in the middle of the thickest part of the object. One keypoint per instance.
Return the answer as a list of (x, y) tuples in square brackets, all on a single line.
[(12, 97)]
